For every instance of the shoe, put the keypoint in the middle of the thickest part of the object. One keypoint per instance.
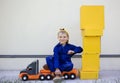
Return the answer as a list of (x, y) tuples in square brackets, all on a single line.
[(58, 79), (45, 67)]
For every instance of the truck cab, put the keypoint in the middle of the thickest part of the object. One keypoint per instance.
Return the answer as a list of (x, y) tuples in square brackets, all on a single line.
[(31, 72)]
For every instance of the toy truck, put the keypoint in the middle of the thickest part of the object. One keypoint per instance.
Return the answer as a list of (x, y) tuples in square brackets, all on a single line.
[(32, 72)]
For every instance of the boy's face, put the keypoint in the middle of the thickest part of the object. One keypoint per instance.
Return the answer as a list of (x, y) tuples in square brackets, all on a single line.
[(63, 38)]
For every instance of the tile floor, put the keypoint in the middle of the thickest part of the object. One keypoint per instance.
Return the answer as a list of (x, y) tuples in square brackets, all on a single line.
[(105, 77)]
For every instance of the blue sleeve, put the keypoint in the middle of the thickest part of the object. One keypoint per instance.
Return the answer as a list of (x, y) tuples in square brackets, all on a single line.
[(76, 49), (56, 57)]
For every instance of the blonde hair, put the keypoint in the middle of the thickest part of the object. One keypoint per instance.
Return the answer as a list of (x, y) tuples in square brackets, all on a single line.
[(63, 31)]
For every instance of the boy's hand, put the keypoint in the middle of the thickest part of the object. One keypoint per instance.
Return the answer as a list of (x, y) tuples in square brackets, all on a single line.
[(57, 72), (71, 52)]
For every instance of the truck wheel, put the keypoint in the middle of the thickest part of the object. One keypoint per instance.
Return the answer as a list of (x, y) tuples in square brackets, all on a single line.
[(66, 76), (24, 77), (42, 77), (49, 77), (72, 76)]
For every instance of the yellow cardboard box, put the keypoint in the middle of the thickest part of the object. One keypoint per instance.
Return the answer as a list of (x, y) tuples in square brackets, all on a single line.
[(91, 17), (91, 44), (90, 62), (87, 75)]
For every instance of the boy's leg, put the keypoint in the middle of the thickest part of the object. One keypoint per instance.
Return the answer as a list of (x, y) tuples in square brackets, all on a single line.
[(66, 67), (50, 63)]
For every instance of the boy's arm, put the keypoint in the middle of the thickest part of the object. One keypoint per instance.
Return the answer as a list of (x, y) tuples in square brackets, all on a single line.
[(76, 49)]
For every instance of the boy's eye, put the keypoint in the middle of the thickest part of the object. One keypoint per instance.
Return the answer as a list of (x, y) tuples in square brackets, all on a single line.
[(64, 36), (60, 36)]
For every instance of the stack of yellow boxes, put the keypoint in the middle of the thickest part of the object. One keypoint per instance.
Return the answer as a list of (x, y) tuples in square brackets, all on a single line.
[(92, 25)]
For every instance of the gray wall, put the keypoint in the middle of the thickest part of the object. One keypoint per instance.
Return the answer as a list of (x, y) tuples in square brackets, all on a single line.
[(30, 26)]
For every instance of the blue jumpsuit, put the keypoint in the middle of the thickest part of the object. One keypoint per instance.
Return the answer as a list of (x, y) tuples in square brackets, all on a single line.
[(61, 59)]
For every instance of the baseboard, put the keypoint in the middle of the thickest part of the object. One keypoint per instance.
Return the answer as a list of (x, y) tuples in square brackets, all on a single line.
[(43, 56)]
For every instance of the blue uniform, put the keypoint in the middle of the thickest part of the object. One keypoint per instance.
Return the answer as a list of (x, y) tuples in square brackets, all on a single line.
[(61, 59)]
